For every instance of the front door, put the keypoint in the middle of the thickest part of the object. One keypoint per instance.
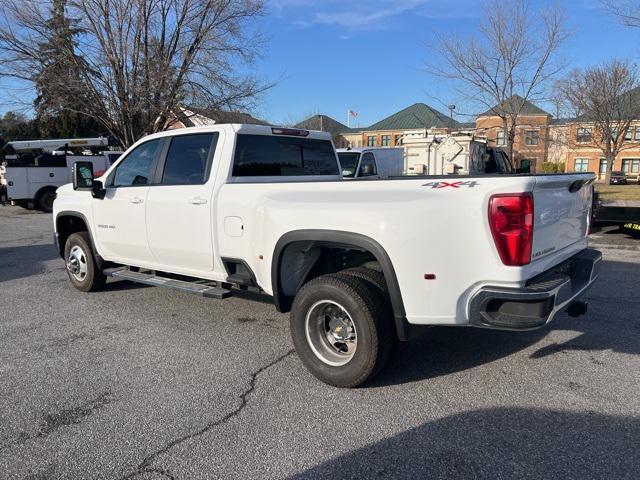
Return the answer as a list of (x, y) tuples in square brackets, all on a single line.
[(179, 209), (119, 218)]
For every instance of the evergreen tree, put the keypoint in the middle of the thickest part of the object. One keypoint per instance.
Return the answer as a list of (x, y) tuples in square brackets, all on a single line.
[(55, 105)]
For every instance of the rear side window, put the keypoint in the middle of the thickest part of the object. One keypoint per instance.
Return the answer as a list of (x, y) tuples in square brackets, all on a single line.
[(139, 166), (273, 156), (187, 160), (348, 163)]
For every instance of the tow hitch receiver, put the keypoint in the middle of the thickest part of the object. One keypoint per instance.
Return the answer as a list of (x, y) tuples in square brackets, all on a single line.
[(577, 309)]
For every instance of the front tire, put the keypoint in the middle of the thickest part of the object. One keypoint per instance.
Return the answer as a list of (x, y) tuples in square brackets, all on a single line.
[(82, 269), (341, 329)]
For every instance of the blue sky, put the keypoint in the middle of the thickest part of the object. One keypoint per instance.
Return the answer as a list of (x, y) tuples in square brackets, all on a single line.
[(370, 55)]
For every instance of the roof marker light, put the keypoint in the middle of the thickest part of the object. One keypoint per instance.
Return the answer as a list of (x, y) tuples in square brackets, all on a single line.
[(290, 131)]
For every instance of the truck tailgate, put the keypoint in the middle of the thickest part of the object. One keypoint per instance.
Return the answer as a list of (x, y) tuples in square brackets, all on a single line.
[(562, 212)]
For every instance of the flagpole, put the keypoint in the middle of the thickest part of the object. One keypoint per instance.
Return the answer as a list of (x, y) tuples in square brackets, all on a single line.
[(349, 118)]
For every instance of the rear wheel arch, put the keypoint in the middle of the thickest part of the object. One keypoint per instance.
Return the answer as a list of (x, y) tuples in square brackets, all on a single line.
[(40, 196), (284, 300)]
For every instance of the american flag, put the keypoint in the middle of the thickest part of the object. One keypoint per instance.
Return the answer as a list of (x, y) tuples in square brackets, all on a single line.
[(353, 114)]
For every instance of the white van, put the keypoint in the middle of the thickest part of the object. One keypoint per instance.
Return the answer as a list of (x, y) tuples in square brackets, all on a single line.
[(371, 162)]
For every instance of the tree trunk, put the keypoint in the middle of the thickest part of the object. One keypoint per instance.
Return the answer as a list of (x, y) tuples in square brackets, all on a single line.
[(610, 158)]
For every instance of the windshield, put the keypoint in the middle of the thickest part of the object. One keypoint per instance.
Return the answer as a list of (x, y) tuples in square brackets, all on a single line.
[(348, 163)]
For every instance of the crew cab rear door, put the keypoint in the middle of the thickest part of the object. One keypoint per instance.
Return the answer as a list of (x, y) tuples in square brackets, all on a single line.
[(562, 209), (179, 208)]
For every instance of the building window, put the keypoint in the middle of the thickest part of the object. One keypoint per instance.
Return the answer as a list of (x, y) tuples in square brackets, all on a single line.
[(581, 165), (386, 140), (583, 135), (603, 166), (637, 137), (531, 137), (631, 165), (397, 140), (501, 138), (371, 141), (628, 136), (527, 165)]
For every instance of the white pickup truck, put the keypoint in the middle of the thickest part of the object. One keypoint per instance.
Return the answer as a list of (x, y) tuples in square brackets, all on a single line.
[(358, 264)]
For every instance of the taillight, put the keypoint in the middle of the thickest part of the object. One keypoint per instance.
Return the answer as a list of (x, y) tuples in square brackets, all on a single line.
[(511, 221)]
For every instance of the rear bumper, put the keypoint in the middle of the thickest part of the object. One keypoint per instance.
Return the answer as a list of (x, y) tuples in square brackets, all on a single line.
[(538, 302)]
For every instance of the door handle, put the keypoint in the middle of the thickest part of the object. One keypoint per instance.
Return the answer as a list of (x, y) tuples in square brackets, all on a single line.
[(136, 200), (197, 201)]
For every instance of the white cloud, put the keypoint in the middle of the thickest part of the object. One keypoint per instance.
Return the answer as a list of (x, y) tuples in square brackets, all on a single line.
[(373, 15), (348, 14)]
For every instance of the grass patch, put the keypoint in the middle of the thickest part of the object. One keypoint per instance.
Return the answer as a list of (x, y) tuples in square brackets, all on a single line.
[(619, 192)]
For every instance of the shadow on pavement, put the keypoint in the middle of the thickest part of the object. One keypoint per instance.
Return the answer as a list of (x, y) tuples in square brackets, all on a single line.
[(444, 350), (24, 261), (499, 443), (613, 322)]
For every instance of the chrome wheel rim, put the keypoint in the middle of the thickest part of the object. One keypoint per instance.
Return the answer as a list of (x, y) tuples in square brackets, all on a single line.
[(331, 333), (77, 263)]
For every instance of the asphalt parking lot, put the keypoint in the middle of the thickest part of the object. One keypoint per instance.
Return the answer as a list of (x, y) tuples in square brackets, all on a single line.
[(139, 382)]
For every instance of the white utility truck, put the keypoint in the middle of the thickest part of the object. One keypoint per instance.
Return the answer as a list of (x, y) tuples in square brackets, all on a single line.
[(358, 264), (371, 162), (32, 178), (458, 154)]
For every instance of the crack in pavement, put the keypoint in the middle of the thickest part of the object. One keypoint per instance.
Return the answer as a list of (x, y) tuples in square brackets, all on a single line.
[(145, 466)]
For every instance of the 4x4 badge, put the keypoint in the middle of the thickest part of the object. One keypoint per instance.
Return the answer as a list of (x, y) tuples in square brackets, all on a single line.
[(469, 184)]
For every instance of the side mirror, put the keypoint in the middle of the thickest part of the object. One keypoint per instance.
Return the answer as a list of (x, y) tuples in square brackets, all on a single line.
[(82, 174), (97, 189)]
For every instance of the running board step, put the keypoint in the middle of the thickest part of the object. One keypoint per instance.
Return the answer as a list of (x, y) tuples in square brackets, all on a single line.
[(203, 289)]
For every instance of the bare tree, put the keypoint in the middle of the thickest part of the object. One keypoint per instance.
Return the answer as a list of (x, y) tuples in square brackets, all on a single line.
[(138, 60), (509, 63), (627, 11), (605, 98)]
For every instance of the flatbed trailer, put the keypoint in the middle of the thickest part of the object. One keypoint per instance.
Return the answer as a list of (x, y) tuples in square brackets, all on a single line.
[(623, 213)]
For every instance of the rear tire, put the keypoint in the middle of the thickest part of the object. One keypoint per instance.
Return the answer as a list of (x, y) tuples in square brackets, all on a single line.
[(82, 268), (370, 275), (342, 329), (45, 200)]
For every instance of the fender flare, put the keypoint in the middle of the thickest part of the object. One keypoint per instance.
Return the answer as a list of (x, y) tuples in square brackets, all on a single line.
[(71, 213), (283, 303)]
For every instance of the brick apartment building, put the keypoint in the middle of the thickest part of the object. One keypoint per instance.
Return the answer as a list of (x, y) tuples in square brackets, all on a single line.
[(532, 138)]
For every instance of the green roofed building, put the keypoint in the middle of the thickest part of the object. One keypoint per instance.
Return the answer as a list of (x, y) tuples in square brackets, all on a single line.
[(389, 131)]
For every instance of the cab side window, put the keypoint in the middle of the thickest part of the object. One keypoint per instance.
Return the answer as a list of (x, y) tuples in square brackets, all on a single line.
[(368, 165), (187, 160), (139, 166)]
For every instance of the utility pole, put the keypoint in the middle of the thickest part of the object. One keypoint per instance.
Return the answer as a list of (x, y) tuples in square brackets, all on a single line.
[(451, 109)]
